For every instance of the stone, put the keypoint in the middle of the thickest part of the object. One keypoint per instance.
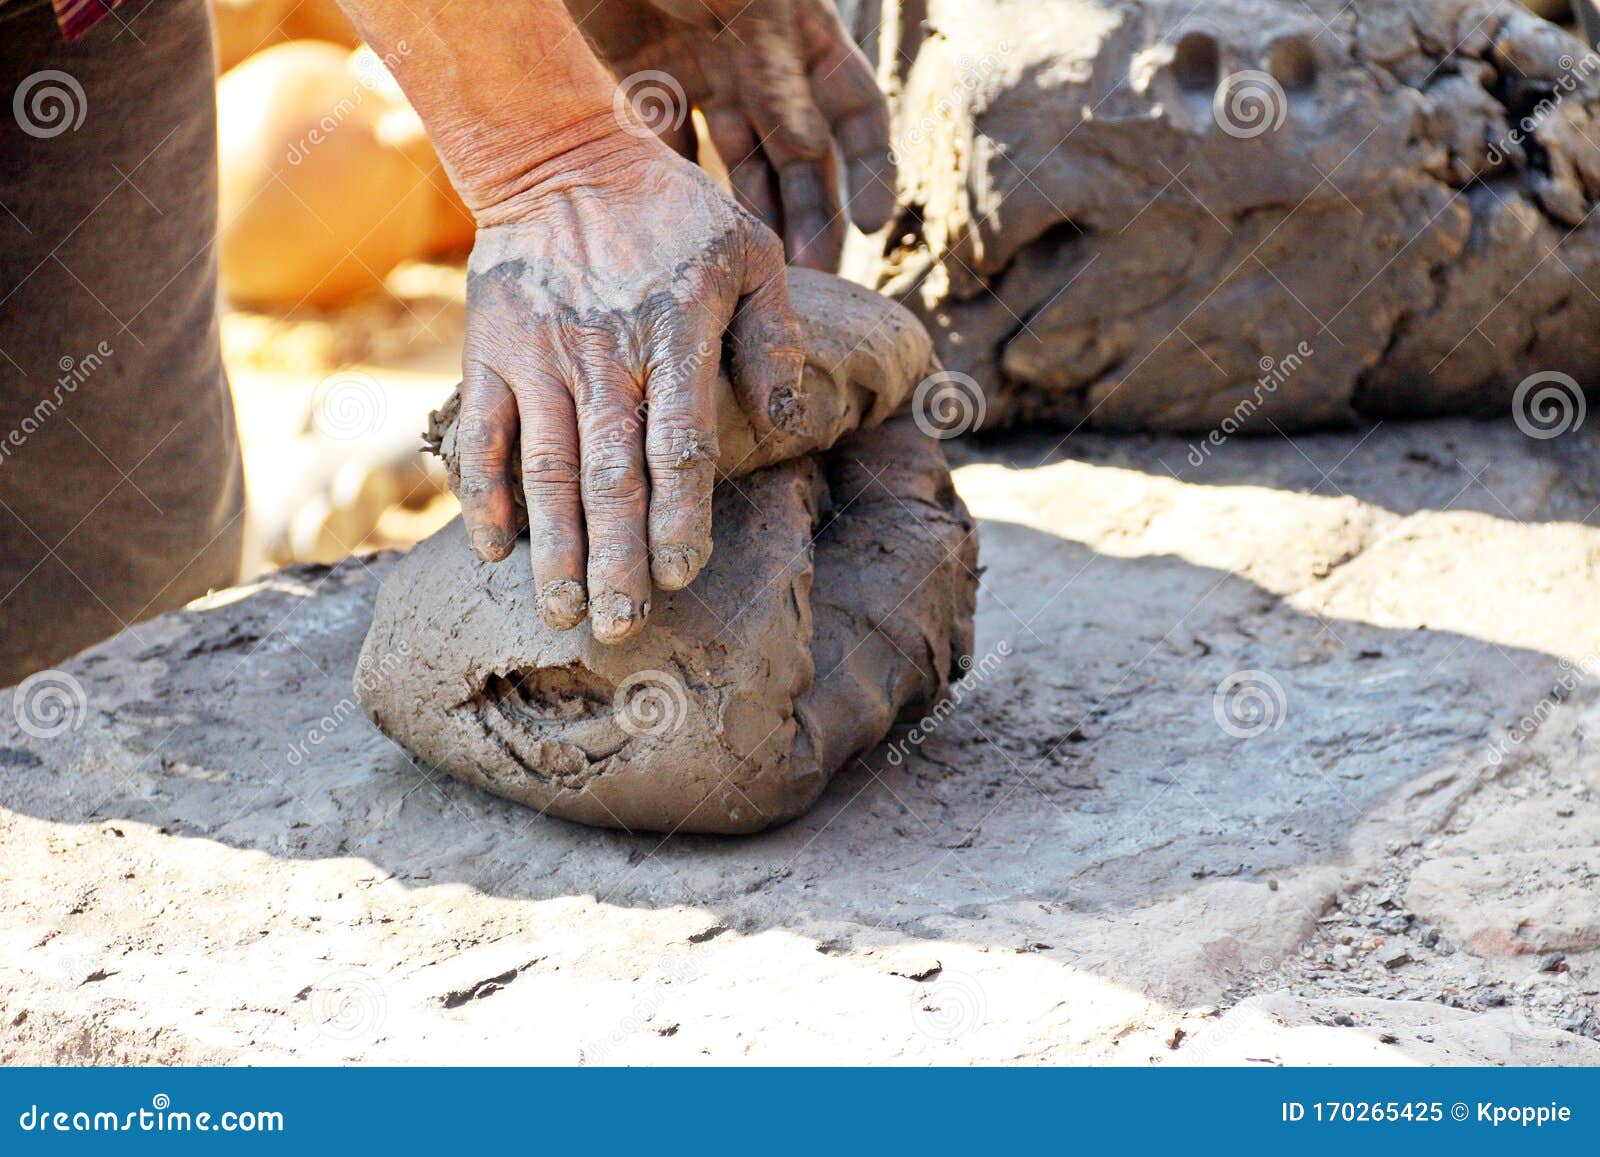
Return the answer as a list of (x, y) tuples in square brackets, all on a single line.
[(1392, 956), (1506, 904), (838, 601), (1285, 1030), (1244, 214)]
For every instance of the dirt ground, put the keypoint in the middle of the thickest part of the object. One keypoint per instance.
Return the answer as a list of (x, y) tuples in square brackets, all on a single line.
[(1281, 758)]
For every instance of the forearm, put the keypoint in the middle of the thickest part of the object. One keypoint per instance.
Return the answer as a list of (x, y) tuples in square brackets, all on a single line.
[(505, 89)]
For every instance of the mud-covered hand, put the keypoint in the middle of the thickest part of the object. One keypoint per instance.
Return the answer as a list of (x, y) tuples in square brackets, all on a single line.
[(596, 315), (780, 83), (609, 279)]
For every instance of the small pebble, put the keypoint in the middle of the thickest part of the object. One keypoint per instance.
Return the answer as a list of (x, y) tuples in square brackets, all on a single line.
[(1394, 955)]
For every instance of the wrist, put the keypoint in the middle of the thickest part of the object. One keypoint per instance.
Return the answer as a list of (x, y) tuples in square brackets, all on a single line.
[(501, 172), (506, 91)]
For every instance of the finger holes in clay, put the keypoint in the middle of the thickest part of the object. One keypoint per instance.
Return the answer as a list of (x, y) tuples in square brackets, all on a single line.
[(1197, 62), (1293, 64)]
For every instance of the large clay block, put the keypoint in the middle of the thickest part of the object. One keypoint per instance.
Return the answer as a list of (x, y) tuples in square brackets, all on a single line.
[(839, 598), (864, 356), (1162, 214)]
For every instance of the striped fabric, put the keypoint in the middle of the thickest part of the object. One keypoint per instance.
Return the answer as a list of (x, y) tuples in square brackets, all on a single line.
[(76, 17)]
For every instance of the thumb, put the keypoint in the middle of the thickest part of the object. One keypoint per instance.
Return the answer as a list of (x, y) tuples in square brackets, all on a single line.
[(767, 344)]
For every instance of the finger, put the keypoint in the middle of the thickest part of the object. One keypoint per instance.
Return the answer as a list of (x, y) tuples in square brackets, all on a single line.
[(615, 497), (767, 343), (847, 93), (797, 141), (749, 173), (550, 480), (484, 437), (680, 447), (813, 224), (777, 92)]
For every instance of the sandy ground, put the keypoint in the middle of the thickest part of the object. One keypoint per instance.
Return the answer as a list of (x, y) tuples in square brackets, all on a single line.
[(1241, 779)]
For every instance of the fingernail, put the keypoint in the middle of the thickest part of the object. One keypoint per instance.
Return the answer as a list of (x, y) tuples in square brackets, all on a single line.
[(783, 407), (673, 567), (563, 604), (612, 615), (491, 543)]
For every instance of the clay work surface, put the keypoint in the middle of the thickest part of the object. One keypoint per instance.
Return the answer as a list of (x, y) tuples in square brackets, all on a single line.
[(1094, 857)]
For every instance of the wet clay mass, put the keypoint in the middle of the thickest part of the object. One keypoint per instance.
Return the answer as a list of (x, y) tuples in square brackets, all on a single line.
[(1132, 213), (838, 599)]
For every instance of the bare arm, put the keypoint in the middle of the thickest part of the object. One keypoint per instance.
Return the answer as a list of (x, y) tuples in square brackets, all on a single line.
[(608, 276)]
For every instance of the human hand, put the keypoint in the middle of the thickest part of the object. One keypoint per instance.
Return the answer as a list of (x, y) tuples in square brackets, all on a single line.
[(598, 297), (780, 82)]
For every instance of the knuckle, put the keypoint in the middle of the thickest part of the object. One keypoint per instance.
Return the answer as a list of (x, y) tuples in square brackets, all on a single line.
[(548, 467), (613, 482), (481, 434), (680, 446)]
